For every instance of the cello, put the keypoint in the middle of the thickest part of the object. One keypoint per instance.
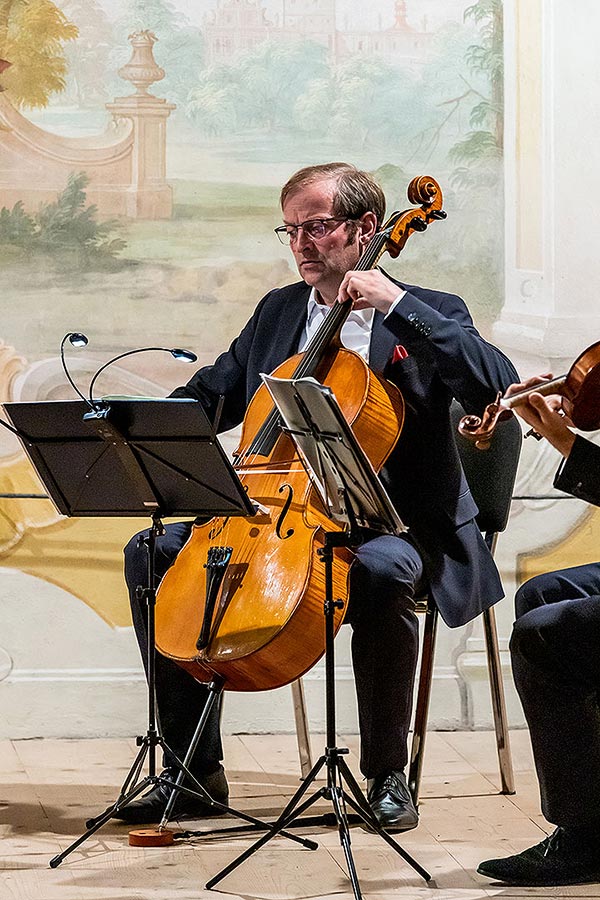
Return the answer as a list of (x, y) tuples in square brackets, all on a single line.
[(243, 600)]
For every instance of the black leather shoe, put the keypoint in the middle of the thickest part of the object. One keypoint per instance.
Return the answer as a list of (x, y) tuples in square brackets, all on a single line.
[(151, 806), (391, 801), (564, 857)]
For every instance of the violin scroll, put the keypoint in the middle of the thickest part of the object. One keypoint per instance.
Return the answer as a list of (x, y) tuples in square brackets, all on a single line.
[(480, 429)]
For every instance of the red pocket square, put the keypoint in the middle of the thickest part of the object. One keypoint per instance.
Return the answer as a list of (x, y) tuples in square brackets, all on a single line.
[(399, 353)]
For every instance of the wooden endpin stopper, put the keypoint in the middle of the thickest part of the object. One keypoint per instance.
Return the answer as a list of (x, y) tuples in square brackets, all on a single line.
[(150, 837)]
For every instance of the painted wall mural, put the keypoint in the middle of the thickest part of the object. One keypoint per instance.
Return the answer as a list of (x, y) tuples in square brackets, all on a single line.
[(142, 147), (90, 239)]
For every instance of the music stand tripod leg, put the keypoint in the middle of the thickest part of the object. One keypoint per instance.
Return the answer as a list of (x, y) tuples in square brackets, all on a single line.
[(364, 812), (289, 815), (148, 742), (215, 688), (337, 799), (337, 770)]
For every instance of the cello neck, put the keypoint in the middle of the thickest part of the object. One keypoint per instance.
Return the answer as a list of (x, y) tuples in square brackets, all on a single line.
[(325, 336), (331, 326)]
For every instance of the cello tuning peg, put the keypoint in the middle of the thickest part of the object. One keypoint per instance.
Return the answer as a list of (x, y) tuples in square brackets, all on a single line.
[(418, 224), (439, 214)]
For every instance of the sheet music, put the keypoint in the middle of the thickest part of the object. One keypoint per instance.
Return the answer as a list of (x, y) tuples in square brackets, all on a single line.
[(337, 465)]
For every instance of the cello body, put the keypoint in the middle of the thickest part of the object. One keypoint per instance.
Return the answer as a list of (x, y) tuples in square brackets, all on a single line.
[(268, 626)]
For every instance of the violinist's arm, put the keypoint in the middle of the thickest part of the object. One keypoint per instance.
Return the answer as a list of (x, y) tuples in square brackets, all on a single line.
[(579, 473)]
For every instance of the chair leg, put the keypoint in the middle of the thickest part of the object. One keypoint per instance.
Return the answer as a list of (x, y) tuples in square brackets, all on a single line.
[(498, 703), (423, 695), (302, 732)]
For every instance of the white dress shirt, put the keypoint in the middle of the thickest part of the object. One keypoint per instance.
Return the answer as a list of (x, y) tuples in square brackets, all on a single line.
[(356, 330)]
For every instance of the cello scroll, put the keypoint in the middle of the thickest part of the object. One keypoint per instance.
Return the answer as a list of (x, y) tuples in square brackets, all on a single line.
[(425, 191)]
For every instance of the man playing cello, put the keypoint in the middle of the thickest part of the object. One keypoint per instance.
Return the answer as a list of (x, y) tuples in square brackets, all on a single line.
[(425, 343)]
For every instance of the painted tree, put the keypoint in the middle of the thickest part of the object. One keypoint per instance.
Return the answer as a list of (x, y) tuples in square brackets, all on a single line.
[(478, 178), (88, 58), (258, 90), (33, 34), (484, 143), (365, 103)]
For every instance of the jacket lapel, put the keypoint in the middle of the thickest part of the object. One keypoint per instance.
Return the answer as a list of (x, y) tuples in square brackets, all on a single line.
[(295, 319), (382, 344), (284, 335)]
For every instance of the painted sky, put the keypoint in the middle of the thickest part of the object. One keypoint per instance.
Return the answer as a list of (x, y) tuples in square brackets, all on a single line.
[(375, 14)]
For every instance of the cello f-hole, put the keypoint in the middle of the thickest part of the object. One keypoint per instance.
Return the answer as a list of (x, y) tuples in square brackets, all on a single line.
[(286, 506)]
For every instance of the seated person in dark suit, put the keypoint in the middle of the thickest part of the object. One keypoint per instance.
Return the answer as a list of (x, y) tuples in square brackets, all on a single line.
[(425, 343), (555, 651)]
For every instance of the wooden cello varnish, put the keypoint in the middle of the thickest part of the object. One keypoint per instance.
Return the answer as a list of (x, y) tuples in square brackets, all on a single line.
[(268, 626)]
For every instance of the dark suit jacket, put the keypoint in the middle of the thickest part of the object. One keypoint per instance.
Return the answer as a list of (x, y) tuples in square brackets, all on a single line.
[(579, 474), (447, 358)]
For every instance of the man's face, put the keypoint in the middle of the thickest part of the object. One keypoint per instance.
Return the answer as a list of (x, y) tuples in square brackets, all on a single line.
[(323, 263)]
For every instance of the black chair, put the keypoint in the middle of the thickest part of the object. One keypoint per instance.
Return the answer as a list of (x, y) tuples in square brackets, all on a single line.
[(491, 476)]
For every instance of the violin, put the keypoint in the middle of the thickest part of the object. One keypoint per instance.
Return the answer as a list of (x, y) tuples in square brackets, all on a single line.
[(580, 400), (243, 600)]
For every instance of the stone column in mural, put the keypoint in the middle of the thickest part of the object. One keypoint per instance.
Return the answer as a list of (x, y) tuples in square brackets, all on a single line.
[(551, 312), (148, 195)]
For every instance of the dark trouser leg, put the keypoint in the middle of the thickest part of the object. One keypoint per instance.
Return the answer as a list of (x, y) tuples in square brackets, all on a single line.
[(179, 697), (384, 580), (555, 650)]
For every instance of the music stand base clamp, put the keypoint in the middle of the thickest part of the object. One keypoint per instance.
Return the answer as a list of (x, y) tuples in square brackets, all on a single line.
[(332, 760)]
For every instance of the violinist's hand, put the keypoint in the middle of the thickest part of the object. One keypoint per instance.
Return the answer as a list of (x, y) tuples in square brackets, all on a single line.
[(368, 288), (544, 414)]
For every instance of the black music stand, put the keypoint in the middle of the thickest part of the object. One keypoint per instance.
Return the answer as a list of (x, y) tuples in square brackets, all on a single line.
[(355, 498), (134, 457)]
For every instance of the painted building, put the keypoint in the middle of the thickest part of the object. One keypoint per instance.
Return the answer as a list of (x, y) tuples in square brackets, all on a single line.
[(236, 26)]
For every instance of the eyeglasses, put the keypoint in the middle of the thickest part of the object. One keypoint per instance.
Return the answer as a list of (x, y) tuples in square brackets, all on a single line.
[(315, 229)]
